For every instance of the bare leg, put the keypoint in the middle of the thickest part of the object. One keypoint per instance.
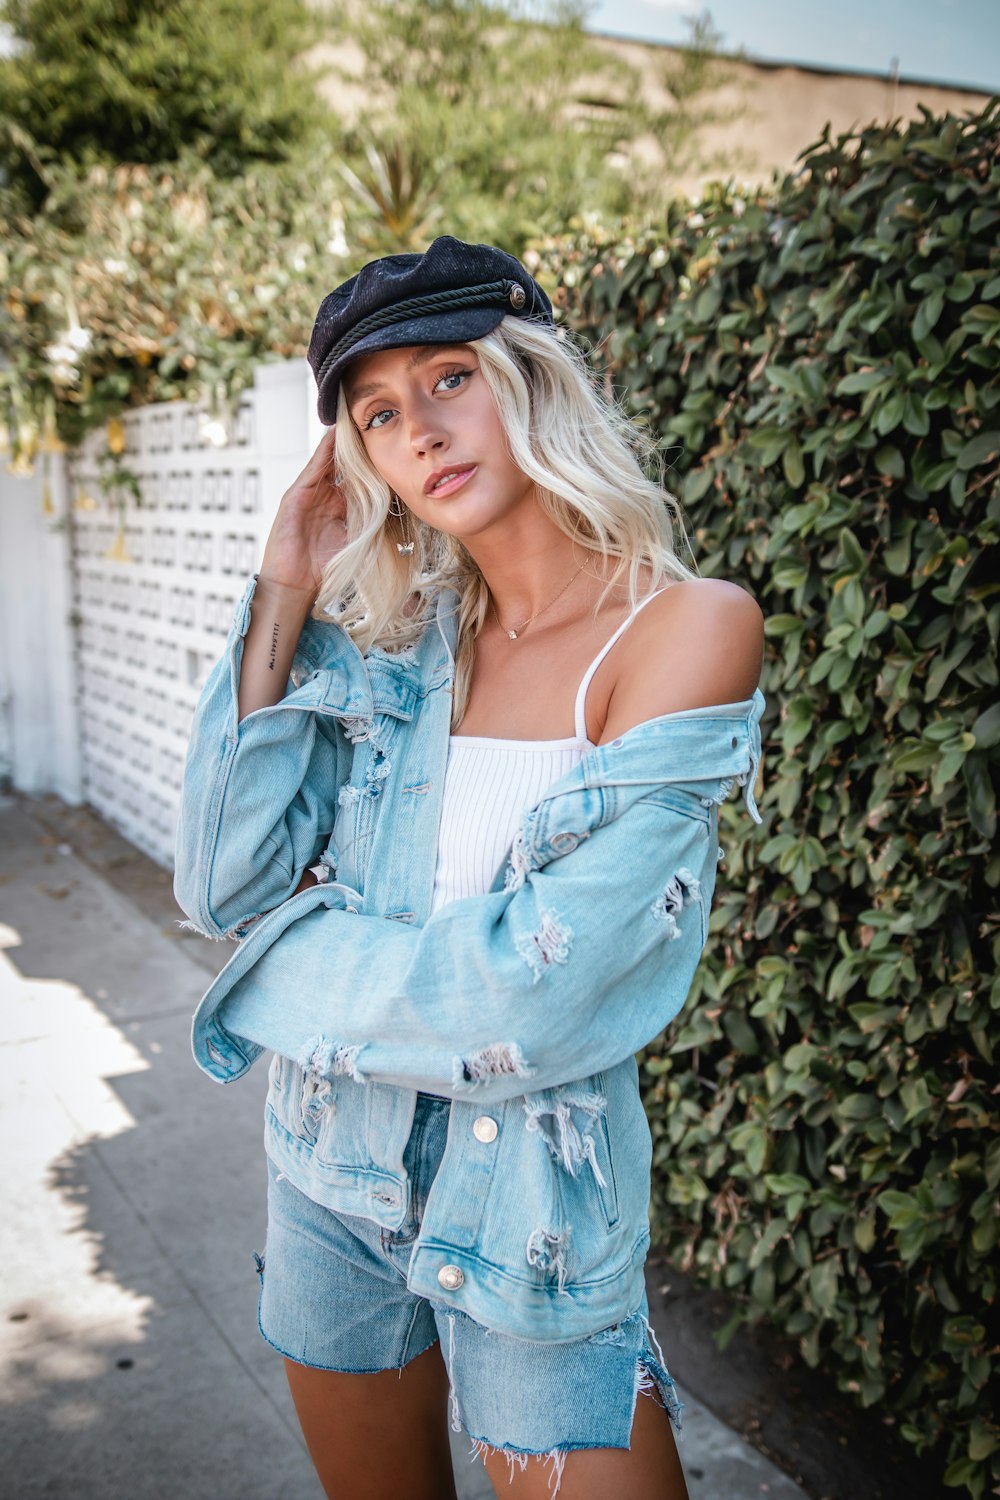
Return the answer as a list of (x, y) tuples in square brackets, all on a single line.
[(649, 1470), (371, 1436)]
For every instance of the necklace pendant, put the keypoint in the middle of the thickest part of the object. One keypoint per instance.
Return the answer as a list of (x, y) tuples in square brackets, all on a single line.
[(512, 634)]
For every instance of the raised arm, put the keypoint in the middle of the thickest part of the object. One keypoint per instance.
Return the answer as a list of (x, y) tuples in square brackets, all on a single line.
[(261, 778), (309, 528)]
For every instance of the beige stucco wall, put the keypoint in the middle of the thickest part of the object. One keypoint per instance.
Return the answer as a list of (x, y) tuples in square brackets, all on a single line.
[(780, 110), (783, 109)]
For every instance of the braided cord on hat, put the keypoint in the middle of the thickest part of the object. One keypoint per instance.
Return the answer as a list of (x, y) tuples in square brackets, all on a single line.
[(490, 294)]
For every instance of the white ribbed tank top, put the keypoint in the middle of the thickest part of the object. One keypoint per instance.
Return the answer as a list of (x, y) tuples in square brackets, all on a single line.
[(489, 783)]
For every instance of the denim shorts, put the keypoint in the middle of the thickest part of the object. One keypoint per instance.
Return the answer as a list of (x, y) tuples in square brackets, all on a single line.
[(334, 1296)]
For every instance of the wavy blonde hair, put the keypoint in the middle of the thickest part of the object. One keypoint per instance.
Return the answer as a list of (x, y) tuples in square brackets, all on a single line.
[(589, 466)]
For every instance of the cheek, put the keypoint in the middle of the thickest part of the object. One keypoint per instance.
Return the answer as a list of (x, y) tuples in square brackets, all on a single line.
[(379, 456)]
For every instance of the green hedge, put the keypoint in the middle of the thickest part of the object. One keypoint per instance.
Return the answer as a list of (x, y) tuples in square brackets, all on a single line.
[(821, 365)]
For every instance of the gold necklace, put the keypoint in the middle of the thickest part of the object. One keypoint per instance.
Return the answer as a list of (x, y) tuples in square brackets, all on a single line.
[(513, 632)]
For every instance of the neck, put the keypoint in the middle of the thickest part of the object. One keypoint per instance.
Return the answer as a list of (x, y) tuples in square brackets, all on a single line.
[(526, 568)]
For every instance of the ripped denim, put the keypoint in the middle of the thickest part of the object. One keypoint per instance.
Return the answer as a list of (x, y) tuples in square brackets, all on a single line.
[(334, 1296)]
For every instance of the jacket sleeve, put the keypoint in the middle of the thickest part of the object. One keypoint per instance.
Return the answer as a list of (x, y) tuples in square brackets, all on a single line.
[(499, 994), (258, 799)]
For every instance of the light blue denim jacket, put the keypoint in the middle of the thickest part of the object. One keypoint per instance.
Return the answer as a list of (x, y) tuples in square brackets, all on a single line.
[(524, 1005)]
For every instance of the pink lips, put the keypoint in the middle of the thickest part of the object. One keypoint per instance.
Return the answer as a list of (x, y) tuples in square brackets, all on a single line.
[(459, 473)]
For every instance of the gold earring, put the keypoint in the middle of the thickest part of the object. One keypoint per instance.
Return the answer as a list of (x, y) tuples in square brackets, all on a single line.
[(405, 548)]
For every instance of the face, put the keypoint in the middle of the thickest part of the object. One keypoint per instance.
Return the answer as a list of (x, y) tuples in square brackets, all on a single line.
[(429, 425)]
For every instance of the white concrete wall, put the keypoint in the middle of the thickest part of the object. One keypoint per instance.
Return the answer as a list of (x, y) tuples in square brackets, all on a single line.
[(39, 744)]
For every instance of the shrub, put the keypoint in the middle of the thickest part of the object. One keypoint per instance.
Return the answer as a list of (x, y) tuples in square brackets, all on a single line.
[(820, 362), (138, 284), (141, 80)]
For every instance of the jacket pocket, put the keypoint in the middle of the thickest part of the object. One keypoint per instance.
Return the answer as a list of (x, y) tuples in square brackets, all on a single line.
[(571, 1119), (605, 1162), (298, 1100)]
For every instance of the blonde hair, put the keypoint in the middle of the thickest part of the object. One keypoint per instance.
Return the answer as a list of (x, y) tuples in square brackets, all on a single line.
[(586, 461)]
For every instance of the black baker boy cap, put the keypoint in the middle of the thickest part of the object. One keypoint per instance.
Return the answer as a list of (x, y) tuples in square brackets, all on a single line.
[(453, 293)]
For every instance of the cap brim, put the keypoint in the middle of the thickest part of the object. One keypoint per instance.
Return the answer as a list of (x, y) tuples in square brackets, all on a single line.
[(463, 326)]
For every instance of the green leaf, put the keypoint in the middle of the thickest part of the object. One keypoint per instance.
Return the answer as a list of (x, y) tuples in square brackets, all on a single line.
[(983, 1440), (784, 1183), (890, 414), (864, 1233), (858, 1107), (915, 418), (928, 314), (987, 728), (982, 449), (782, 625), (851, 550), (889, 460), (901, 1208), (774, 1232), (793, 466), (861, 380), (769, 443)]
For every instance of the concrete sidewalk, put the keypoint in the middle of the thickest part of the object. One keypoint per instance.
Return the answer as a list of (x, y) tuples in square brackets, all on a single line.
[(132, 1365)]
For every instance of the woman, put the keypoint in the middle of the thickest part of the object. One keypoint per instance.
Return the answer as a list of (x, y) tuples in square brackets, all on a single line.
[(481, 821)]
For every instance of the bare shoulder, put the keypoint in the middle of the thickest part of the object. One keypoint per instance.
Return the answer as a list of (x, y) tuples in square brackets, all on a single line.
[(700, 642)]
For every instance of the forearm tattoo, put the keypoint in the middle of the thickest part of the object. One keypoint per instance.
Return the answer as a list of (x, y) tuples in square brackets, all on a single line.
[(274, 646)]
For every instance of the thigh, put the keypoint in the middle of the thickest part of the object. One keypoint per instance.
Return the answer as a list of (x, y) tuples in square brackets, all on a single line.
[(571, 1418), (372, 1436), (650, 1469)]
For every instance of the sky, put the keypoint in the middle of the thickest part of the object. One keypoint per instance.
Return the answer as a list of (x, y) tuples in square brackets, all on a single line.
[(936, 41)]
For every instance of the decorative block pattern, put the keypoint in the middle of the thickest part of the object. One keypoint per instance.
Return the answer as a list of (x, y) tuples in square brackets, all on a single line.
[(155, 588)]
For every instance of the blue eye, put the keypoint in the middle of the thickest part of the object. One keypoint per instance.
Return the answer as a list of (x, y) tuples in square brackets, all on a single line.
[(456, 376), (376, 420)]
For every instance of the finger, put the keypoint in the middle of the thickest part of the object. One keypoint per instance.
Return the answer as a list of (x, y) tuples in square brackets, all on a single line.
[(321, 459)]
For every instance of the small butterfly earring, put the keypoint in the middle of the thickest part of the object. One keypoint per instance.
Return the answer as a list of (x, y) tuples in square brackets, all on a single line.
[(406, 547)]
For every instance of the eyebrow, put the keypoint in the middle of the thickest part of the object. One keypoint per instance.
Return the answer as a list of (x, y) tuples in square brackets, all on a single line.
[(420, 356)]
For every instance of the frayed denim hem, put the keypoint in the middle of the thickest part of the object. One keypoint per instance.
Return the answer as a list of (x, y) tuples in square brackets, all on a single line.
[(651, 1379)]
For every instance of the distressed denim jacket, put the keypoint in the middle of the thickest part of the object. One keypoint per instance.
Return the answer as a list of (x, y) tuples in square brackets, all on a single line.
[(524, 1005)]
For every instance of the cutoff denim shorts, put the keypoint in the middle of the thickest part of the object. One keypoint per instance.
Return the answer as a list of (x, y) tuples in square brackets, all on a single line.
[(334, 1296)]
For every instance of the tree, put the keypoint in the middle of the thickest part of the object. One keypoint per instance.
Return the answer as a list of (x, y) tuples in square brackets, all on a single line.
[(691, 75), (138, 80), (499, 119), (506, 120)]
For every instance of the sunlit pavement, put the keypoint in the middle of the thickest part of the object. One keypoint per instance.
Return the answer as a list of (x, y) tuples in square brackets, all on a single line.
[(131, 1362)]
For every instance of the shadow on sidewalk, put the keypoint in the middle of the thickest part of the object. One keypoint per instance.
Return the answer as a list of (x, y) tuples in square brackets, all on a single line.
[(135, 1195)]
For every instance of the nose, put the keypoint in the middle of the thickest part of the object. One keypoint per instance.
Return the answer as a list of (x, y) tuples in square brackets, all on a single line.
[(426, 428)]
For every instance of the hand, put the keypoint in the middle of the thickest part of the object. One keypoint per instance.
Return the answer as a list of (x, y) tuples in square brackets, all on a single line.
[(310, 526)]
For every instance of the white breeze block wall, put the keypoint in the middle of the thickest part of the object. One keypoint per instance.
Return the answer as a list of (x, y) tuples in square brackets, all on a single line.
[(154, 603)]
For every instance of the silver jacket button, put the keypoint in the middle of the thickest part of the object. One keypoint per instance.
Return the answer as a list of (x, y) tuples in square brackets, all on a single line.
[(451, 1278), (485, 1129)]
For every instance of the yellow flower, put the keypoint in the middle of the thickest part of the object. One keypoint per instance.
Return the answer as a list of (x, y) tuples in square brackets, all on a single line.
[(118, 551), (51, 441), (116, 435)]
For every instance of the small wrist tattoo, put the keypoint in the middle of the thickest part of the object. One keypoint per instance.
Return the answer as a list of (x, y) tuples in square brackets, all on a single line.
[(274, 646)]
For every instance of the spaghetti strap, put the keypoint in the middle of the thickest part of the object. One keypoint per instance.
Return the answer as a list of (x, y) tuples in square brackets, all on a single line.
[(581, 696)]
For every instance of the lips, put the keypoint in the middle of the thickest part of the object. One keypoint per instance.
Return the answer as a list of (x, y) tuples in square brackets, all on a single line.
[(445, 481)]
